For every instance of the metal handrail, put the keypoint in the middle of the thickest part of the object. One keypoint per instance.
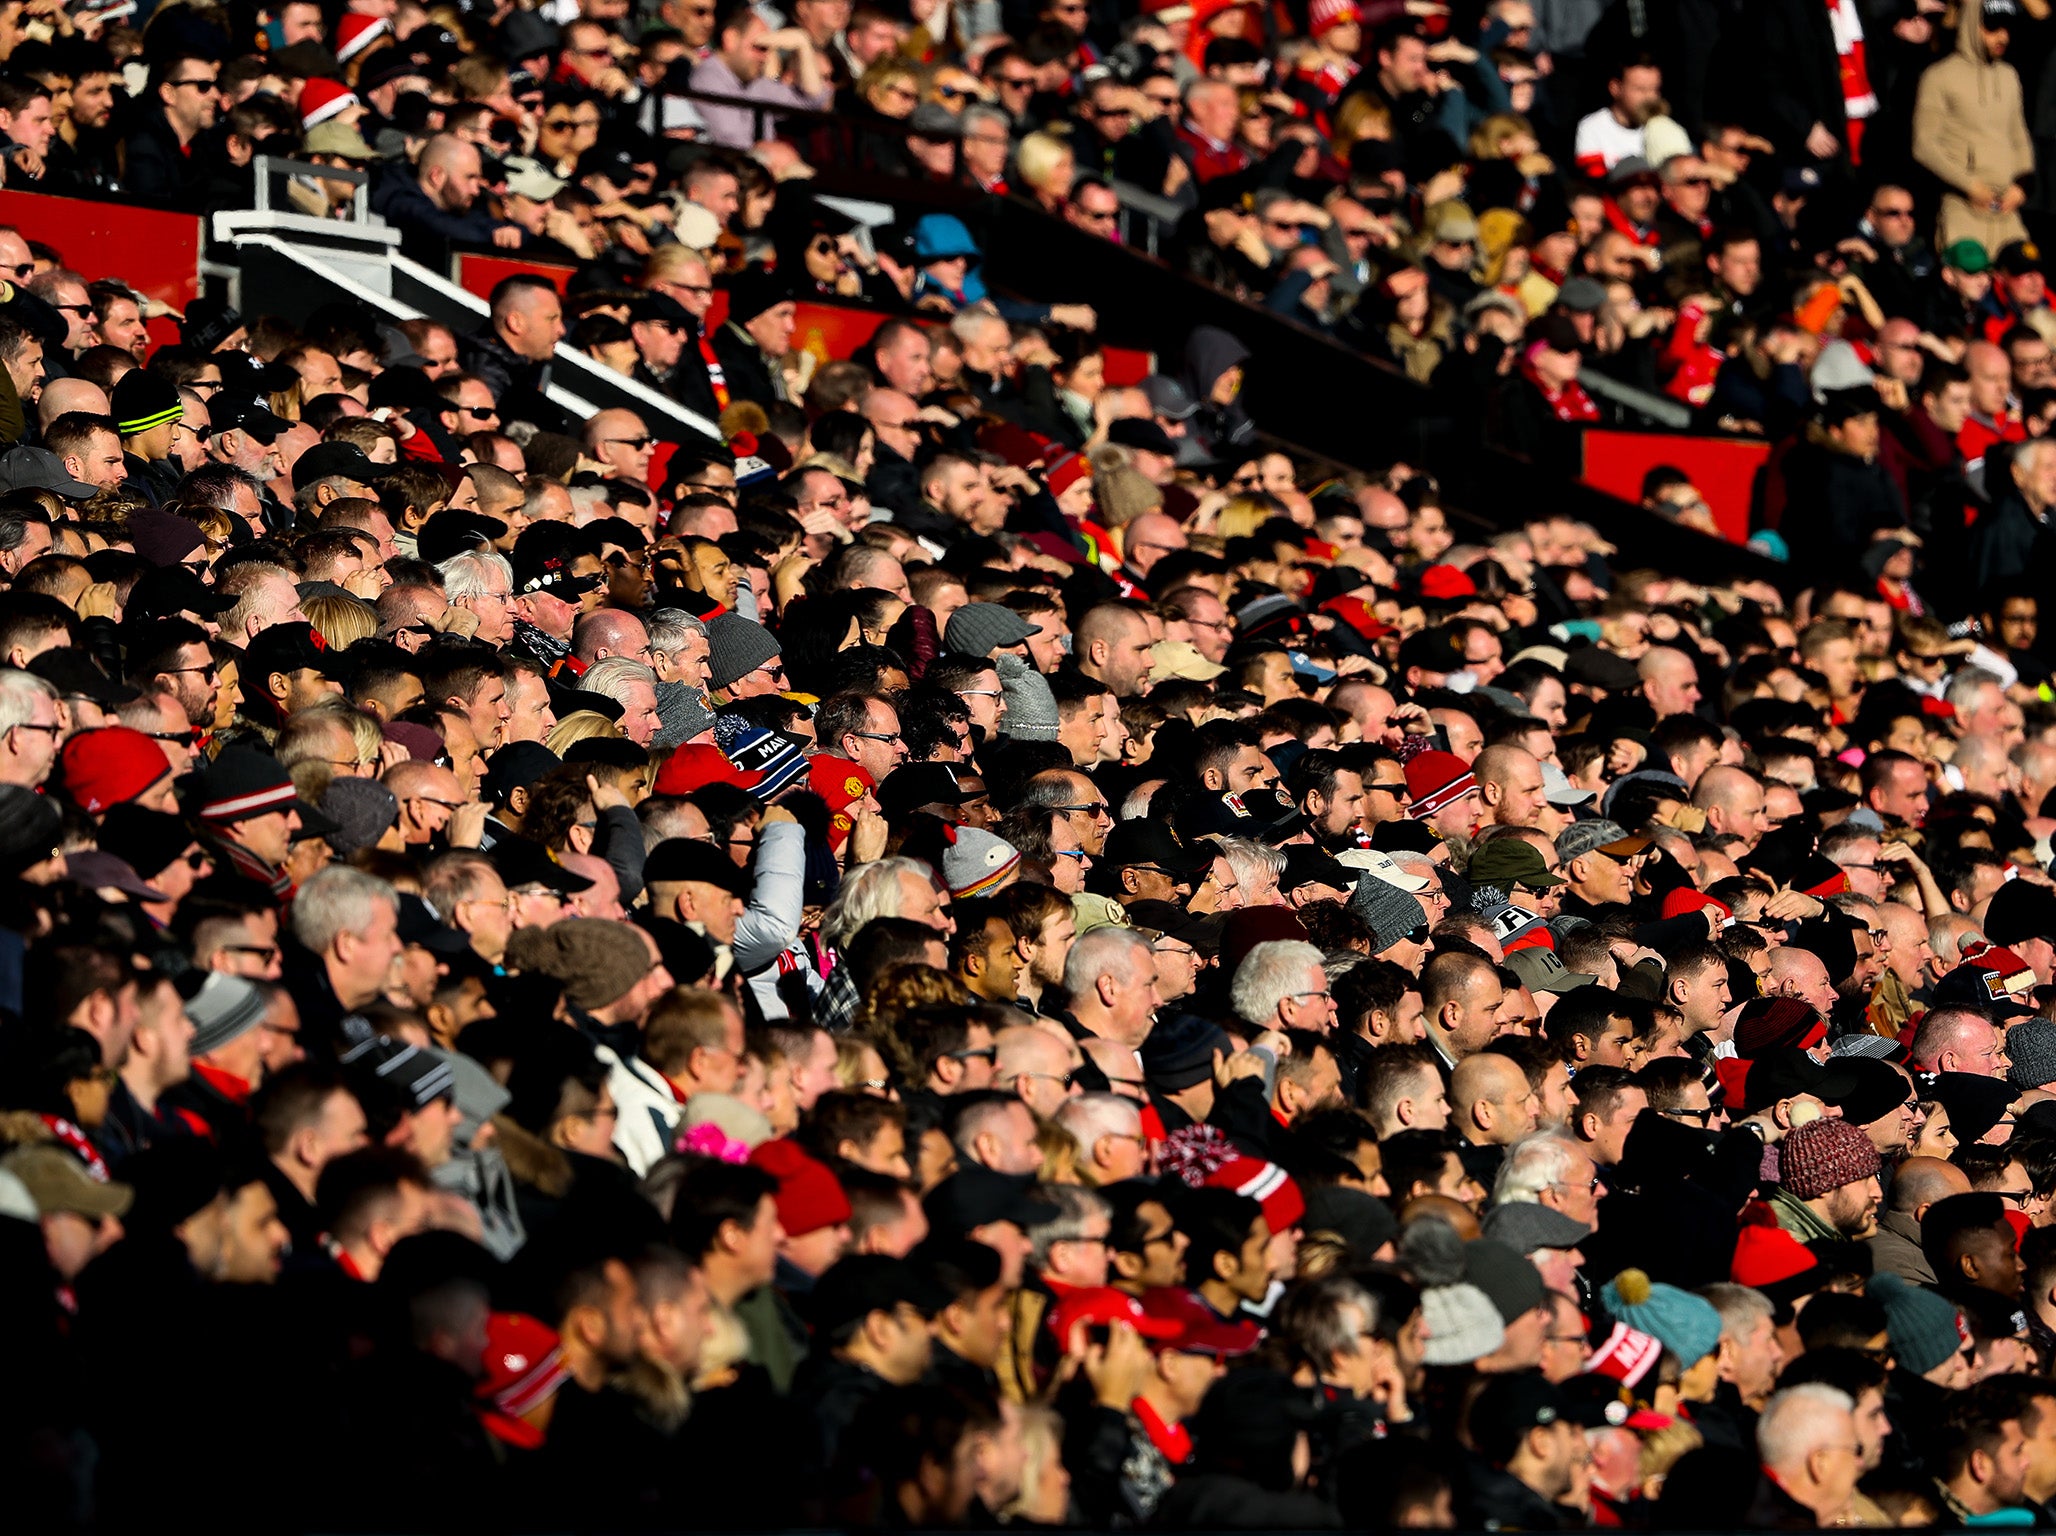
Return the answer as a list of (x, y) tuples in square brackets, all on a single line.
[(267, 166)]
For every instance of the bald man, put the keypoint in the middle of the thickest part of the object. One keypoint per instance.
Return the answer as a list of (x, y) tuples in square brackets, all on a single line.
[(1799, 973), (428, 795), (1733, 800), (62, 395), (1491, 1102), (1147, 539), (622, 442), (1670, 681), (611, 632), (1510, 781), (1917, 1184), (1112, 646), (1035, 1066)]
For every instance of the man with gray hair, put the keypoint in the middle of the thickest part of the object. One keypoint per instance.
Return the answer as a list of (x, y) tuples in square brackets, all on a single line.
[(482, 583), (1552, 1170), (634, 687), (1811, 1458), (1283, 985), (1111, 976), (1108, 1130), (1750, 1356), (351, 923), (29, 728)]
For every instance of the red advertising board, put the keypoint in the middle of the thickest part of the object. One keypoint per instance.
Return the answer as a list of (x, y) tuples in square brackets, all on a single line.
[(154, 252), (1722, 468)]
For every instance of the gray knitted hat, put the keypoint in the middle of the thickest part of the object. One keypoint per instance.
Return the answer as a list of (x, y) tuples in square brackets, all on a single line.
[(1031, 707), (2032, 1047), (1391, 913), (362, 810), (979, 629), (1463, 1325), (224, 1009), (736, 647)]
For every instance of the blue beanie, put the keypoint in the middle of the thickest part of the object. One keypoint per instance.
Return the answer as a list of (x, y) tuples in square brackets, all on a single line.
[(1684, 1324), (1921, 1325)]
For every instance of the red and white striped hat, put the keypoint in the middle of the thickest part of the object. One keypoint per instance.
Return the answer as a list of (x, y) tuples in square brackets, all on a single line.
[(322, 99), (355, 33), (1325, 14)]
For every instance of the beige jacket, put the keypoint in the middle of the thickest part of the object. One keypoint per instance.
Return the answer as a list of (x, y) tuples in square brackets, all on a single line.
[(1970, 127)]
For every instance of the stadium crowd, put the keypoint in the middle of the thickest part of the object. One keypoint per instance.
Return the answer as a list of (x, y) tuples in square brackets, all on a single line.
[(989, 947)]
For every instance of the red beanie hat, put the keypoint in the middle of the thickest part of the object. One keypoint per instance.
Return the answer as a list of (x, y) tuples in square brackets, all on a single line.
[(524, 1365), (110, 766), (355, 33), (1765, 1023), (1202, 1157), (1764, 1255), (1066, 472), (809, 1198), (1682, 899), (691, 765), (322, 99)]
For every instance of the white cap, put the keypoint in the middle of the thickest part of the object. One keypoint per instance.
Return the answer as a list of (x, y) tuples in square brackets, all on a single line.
[(1372, 862)]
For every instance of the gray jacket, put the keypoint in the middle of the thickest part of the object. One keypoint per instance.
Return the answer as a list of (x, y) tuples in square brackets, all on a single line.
[(1895, 1248)]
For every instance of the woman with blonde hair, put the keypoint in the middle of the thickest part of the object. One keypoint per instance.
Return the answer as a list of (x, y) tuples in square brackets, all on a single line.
[(891, 87), (580, 725), (1360, 117), (341, 620), (1047, 167)]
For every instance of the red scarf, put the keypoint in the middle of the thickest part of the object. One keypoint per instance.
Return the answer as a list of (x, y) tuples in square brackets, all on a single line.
[(1641, 234), (227, 1084), (1571, 403), (1174, 1440)]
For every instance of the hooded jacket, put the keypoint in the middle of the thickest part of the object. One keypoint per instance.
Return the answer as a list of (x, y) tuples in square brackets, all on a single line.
[(1970, 126)]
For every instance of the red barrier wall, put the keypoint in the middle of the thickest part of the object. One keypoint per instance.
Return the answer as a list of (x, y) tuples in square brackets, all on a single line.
[(829, 331), (1723, 468), (154, 252)]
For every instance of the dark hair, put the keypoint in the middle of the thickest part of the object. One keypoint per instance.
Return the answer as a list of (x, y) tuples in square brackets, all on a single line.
[(712, 1194)]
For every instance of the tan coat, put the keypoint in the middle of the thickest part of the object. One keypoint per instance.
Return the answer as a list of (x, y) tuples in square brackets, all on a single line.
[(1969, 127)]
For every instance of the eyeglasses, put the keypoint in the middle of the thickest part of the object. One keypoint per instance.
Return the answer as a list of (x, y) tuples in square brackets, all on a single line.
[(981, 693), (200, 83), (1398, 791), (637, 443), (74, 309), (208, 669), (2015, 1197), (1590, 1186), (262, 951), (26, 726), (1053, 1077), (1070, 853), (1295, 996), (1703, 1116), (482, 412), (199, 858), (186, 738), (1894, 213), (1094, 808), (983, 1053), (448, 805)]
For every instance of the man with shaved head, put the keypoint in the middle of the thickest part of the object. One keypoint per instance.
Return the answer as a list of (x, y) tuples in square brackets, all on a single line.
[(1492, 1105), (60, 396), (611, 632), (1510, 781), (1733, 800), (1917, 1183), (1148, 539), (1670, 681), (1112, 647), (441, 198), (620, 441)]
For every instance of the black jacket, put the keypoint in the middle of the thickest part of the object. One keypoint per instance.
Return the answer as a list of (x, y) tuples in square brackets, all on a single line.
[(1496, 1500), (1834, 502), (157, 170), (751, 375)]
